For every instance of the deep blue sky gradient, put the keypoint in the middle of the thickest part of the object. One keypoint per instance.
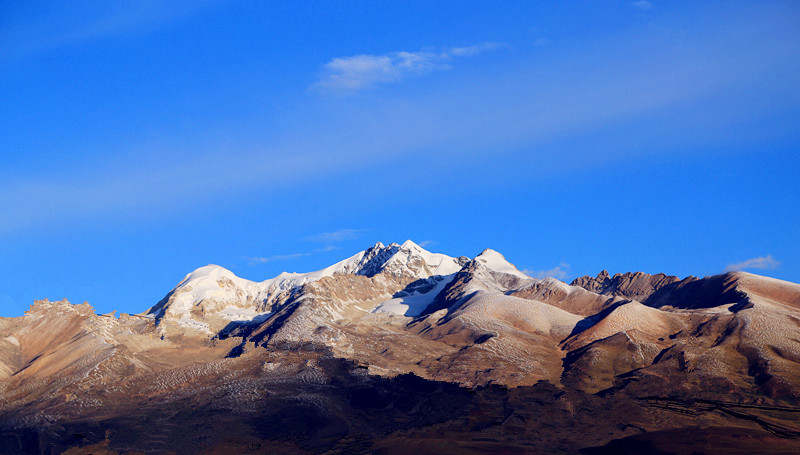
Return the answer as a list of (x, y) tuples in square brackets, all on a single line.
[(141, 140)]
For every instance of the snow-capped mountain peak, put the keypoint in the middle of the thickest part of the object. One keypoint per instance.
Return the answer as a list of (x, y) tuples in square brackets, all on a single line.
[(214, 294), (409, 260), (496, 262), (208, 275)]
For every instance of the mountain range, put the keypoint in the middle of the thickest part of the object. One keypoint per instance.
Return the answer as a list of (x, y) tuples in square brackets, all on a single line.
[(397, 348)]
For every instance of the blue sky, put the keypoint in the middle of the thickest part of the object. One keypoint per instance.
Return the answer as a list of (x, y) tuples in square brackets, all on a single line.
[(141, 140)]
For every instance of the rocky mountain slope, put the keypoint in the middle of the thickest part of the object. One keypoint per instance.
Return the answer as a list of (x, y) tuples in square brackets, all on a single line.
[(645, 353)]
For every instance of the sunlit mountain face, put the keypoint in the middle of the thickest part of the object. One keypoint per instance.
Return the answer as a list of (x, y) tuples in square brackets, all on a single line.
[(397, 348)]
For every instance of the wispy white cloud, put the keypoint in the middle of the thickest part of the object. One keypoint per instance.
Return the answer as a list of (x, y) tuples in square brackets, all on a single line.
[(328, 239), (277, 257), (764, 262), (326, 248), (350, 74), (82, 21), (643, 4), (285, 257), (559, 272), (426, 243), (574, 93), (469, 51), (335, 237)]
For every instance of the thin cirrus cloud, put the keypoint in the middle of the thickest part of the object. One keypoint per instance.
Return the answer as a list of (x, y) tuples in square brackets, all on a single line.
[(560, 272), (762, 263), (335, 237), (328, 239), (82, 21), (285, 257), (643, 4), (346, 75), (568, 100), (278, 257)]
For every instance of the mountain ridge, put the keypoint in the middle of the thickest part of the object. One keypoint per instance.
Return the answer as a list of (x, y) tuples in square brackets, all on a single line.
[(213, 294), (393, 310)]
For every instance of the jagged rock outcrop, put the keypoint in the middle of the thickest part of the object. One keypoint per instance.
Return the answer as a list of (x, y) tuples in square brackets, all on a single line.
[(635, 286)]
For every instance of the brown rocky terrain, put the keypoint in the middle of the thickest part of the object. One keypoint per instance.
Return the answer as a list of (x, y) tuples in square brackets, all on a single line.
[(400, 348)]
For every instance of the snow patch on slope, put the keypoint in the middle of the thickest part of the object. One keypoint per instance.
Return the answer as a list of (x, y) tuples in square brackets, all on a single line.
[(414, 304)]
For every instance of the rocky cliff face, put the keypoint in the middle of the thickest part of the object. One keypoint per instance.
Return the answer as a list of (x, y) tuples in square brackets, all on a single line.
[(219, 341), (635, 286)]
